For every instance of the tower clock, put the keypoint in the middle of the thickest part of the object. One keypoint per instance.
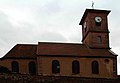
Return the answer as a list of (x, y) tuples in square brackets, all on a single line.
[(95, 31)]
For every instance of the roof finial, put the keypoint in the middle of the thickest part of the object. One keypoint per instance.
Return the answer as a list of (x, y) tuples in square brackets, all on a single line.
[(92, 5)]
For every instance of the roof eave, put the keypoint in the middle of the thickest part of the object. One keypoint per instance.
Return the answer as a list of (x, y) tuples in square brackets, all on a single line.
[(92, 10)]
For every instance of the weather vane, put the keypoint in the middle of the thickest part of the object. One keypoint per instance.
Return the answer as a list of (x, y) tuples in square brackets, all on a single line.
[(92, 5)]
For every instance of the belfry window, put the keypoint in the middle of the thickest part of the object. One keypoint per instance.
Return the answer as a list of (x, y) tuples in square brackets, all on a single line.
[(95, 67), (32, 67), (75, 67), (99, 39), (55, 66), (98, 23), (15, 66)]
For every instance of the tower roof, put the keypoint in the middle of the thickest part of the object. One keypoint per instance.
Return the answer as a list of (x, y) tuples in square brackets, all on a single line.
[(93, 11)]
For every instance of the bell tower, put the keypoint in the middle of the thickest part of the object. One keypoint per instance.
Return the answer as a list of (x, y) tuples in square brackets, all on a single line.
[(95, 33)]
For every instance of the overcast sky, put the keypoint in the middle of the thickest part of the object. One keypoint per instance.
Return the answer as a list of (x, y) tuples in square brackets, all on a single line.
[(33, 21)]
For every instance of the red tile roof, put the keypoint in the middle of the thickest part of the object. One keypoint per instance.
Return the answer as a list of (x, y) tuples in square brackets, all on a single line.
[(22, 51), (70, 49), (56, 49)]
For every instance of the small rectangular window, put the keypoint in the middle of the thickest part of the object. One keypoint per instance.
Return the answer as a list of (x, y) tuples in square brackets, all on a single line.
[(99, 39), (98, 23)]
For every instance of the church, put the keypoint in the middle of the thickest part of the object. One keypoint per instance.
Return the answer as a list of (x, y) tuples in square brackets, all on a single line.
[(92, 58)]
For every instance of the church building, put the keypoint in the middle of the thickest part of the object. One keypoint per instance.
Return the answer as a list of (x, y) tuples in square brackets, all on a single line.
[(92, 58)]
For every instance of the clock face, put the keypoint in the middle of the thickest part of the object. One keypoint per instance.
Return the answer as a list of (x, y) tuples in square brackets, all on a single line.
[(98, 19)]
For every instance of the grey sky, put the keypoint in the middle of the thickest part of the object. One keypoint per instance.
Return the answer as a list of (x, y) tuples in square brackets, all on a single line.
[(32, 21)]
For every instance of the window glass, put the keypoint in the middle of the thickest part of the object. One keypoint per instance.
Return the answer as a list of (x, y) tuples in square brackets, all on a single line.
[(95, 67), (75, 67), (15, 66), (32, 67), (99, 39), (55, 66)]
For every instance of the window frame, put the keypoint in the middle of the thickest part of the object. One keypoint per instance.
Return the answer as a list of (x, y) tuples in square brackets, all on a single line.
[(75, 67), (55, 66), (15, 67), (32, 67), (99, 39), (95, 67)]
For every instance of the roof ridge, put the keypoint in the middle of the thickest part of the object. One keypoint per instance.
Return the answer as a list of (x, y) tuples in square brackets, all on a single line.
[(26, 44), (76, 43)]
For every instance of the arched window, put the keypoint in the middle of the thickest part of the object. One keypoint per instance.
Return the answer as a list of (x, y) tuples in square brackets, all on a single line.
[(75, 67), (99, 39), (95, 67), (15, 66), (55, 66), (32, 67)]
